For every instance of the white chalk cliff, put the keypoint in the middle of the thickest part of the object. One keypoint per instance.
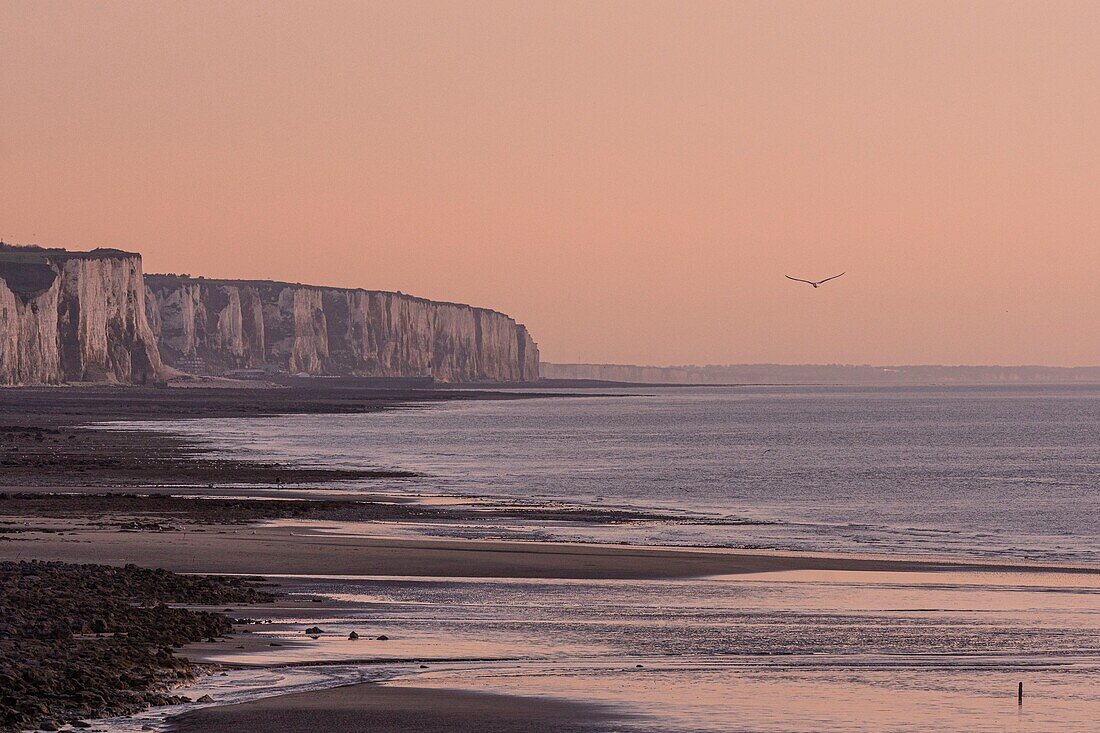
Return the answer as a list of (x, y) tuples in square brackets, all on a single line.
[(94, 317), (74, 317), (334, 331)]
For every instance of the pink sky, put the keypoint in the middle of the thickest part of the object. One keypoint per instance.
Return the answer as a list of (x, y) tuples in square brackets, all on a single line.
[(631, 180)]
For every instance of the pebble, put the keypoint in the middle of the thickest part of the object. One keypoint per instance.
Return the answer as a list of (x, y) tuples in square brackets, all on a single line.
[(86, 618)]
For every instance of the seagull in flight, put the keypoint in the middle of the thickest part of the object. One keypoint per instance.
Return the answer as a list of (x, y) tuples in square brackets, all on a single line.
[(815, 283)]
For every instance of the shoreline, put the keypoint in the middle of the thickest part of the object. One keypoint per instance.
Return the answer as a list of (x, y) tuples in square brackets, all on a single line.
[(51, 437), (77, 492), (278, 549)]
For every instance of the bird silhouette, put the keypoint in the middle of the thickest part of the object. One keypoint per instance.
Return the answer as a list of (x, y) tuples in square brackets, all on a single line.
[(814, 283)]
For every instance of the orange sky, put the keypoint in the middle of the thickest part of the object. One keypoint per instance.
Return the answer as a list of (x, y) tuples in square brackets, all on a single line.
[(631, 180)]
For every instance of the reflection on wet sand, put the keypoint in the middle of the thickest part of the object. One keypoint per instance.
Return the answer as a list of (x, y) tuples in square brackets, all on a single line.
[(804, 650)]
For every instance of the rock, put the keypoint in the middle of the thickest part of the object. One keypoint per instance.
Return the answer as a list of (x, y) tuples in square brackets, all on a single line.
[(49, 725), (205, 698), (93, 316), (46, 605), (353, 636), (324, 330), (383, 637), (74, 316), (314, 631)]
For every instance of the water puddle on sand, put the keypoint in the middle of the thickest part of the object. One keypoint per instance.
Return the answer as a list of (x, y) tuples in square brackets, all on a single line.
[(803, 650)]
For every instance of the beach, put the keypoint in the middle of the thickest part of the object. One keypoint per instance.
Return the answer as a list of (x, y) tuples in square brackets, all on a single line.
[(439, 659), (305, 549), (477, 632), (384, 709)]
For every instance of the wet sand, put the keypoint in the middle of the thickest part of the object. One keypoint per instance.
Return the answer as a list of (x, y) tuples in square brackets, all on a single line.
[(287, 549), (370, 707)]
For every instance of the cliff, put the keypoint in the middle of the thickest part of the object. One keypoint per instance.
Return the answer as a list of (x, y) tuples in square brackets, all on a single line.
[(74, 317), (219, 325), (94, 317)]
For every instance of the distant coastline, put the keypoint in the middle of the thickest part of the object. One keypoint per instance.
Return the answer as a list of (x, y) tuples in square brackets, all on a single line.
[(820, 374)]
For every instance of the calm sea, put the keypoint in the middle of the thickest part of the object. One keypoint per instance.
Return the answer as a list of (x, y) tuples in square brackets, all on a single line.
[(1004, 472), (1008, 472)]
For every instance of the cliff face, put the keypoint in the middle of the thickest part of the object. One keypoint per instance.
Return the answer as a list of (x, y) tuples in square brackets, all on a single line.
[(74, 317), (94, 317), (234, 324)]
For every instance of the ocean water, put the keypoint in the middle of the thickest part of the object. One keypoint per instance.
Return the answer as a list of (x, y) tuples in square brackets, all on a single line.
[(1007, 473), (1002, 472)]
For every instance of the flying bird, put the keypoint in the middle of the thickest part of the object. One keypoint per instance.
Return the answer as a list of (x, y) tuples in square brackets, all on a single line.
[(814, 283)]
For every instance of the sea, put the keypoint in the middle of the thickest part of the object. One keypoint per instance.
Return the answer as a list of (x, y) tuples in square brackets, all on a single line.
[(1011, 473), (1007, 473)]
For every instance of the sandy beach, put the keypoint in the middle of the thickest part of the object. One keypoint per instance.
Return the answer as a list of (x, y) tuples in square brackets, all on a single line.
[(298, 549), (371, 707), (294, 550)]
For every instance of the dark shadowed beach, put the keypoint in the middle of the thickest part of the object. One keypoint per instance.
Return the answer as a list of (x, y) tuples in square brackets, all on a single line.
[(396, 710)]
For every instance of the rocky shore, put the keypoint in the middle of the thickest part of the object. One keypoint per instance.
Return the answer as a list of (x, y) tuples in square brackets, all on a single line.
[(85, 641), (133, 511)]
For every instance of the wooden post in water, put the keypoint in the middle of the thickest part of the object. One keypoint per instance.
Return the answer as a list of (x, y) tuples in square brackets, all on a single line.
[(1020, 694)]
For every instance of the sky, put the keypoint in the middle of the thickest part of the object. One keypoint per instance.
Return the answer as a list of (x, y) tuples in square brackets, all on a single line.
[(631, 180)]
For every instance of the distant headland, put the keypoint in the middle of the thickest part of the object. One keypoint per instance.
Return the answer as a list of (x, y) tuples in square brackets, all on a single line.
[(823, 374)]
